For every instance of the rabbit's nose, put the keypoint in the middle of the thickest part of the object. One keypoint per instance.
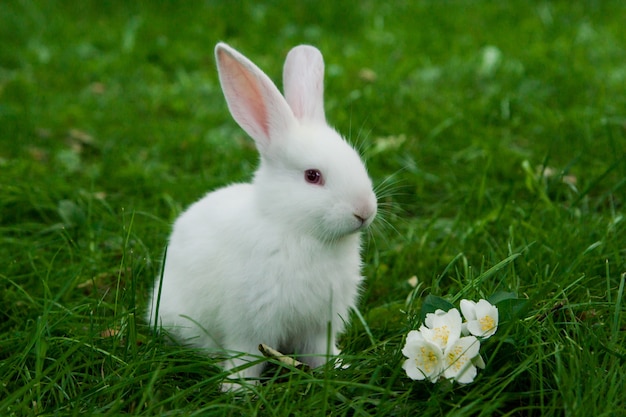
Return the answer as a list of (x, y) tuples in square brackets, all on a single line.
[(365, 215), (359, 218), (365, 210)]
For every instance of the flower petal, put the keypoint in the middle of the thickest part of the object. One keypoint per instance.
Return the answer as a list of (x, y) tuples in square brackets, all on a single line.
[(464, 330), (425, 359), (467, 375), (442, 328), (468, 308), (412, 371), (412, 343), (458, 359), (484, 307), (430, 317), (479, 362)]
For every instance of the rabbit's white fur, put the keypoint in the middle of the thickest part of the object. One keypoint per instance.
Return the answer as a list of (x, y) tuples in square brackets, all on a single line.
[(275, 261)]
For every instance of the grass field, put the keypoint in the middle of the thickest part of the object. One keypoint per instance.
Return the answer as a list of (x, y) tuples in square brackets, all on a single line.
[(494, 131)]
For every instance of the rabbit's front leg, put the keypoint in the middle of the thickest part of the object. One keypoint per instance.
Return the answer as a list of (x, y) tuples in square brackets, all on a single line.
[(243, 370)]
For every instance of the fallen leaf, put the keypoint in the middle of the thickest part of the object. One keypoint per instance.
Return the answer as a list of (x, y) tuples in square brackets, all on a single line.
[(109, 333), (368, 74)]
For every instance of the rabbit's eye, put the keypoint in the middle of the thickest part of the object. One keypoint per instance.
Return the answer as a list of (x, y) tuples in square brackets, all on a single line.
[(314, 176)]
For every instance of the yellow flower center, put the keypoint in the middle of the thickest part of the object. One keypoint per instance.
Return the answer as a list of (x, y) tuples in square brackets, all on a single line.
[(442, 333), (456, 358), (426, 360), (486, 323)]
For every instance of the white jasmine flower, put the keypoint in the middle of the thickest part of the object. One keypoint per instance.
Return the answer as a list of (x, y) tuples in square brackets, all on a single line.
[(482, 317), (442, 328), (458, 359), (443, 347), (425, 358)]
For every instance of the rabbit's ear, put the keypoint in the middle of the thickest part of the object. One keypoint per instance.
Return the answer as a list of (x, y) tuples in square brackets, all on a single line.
[(253, 99), (303, 82)]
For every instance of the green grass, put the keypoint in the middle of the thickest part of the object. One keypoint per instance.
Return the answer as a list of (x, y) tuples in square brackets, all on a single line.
[(496, 132)]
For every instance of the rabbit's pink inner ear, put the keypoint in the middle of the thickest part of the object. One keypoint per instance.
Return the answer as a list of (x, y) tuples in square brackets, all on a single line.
[(243, 95)]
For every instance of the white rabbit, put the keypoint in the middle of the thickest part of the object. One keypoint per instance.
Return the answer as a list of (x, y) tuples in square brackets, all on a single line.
[(277, 260)]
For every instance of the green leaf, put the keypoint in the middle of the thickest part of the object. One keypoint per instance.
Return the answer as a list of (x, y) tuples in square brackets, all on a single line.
[(433, 303), (500, 296)]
